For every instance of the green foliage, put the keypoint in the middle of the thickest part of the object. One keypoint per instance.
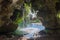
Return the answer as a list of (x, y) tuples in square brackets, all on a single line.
[(58, 14), (18, 19), (36, 21), (27, 7), (27, 10)]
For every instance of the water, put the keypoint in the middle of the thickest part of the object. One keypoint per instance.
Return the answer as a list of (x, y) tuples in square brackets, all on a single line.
[(34, 25), (32, 29), (27, 28)]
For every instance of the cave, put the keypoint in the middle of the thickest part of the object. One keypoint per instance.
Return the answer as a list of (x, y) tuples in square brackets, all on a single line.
[(31, 16)]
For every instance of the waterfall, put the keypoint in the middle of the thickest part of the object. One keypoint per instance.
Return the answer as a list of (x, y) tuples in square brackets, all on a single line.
[(27, 24)]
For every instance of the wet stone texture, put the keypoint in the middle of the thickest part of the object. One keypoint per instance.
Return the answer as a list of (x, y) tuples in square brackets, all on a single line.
[(45, 36)]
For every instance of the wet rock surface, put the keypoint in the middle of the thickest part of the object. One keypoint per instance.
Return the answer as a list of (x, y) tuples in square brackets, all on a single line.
[(43, 37)]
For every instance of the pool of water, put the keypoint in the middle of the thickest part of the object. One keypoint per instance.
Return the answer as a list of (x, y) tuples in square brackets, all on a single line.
[(30, 30), (33, 29), (36, 25)]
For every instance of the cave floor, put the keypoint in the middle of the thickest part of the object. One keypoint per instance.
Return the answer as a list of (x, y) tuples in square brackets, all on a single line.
[(46, 37)]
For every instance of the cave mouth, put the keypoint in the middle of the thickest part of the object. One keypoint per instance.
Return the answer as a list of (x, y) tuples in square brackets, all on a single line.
[(30, 24)]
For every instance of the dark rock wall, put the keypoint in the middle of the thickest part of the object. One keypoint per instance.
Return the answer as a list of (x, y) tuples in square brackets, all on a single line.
[(6, 11), (48, 12)]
